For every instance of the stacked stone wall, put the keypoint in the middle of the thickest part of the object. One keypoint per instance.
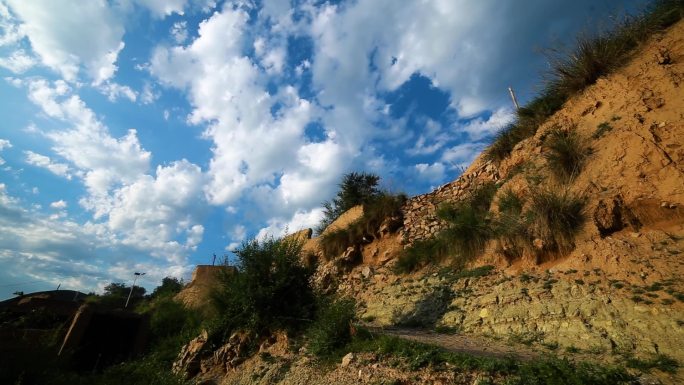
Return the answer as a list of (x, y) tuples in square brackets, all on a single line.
[(420, 212)]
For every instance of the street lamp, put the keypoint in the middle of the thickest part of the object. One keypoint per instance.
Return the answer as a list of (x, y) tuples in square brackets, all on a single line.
[(136, 274)]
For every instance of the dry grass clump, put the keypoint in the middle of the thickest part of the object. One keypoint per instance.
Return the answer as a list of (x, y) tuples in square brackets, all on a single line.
[(556, 217), (565, 153), (592, 57)]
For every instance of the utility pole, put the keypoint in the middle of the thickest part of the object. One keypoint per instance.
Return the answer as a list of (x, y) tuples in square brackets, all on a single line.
[(136, 274), (515, 100)]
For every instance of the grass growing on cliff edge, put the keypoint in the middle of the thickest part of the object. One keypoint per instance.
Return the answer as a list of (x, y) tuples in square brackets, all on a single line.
[(550, 370), (557, 216), (468, 229), (383, 208), (572, 71), (565, 153)]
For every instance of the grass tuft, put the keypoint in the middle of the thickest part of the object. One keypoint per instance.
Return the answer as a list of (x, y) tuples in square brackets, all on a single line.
[(556, 217), (565, 153), (592, 57)]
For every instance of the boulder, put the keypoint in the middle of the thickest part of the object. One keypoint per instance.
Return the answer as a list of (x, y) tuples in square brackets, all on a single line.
[(189, 359)]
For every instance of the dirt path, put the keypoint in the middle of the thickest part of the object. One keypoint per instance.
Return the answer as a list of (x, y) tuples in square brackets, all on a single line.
[(458, 343)]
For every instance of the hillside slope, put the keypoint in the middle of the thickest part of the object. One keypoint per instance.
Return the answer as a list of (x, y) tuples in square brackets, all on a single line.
[(619, 292)]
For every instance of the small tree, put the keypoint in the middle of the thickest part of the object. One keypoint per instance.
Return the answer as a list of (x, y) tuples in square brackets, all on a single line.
[(355, 189), (169, 287), (269, 291)]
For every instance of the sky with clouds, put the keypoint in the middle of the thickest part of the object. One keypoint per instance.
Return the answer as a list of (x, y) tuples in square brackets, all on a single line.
[(147, 135)]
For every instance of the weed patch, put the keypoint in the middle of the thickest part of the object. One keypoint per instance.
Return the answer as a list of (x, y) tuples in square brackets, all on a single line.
[(565, 153)]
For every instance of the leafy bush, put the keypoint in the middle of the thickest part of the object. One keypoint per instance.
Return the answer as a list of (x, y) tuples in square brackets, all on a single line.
[(565, 153), (331, 329), (355, 189), (556, 217), (269, 291), (170, 286), (170, 318)]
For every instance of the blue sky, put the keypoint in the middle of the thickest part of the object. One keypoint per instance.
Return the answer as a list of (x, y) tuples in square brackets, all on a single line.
[(146, 135)]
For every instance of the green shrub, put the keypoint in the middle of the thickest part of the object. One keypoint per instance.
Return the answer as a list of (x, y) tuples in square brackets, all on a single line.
[(556, 217), (658, 361), (269, 291), (565, 153), (170, 318), (331, 329), (510, 203), (592, 58)]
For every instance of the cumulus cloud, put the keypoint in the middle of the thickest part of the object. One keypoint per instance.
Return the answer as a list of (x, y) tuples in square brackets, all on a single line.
[(157, 213), (259, 141), (460, 156), (18, 62), (9, 29), (480, 128), (55, 250), (42, 161), (162, 8), (104, 160), (70, 35), (179, 31), (278, 227), (60, 204), (434, 173), (114, 91)]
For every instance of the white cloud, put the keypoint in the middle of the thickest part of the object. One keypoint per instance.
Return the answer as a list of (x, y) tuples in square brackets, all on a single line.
[(278, 227), (38, 160), (148, 94), (71, 34), (153, 212), (479, 128), (179, 31), (162, 8), (157, 213), (9, 30), (228, 91), (105, 161), (79, 256), (460, 156), (5, 143), (18, 62), (60, 204), (433, 173), (114, 91)]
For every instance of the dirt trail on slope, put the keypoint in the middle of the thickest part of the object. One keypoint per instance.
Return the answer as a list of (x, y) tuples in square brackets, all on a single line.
[(459, 343)]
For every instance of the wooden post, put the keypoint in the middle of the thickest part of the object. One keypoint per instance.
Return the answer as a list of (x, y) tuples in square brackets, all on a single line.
[(515, 101)]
